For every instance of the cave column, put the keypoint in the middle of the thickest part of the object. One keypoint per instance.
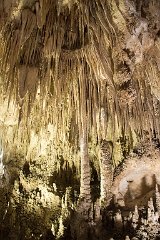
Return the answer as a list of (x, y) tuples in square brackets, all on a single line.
[(106, 173), (85, 169), (84, 205), (85, 189)]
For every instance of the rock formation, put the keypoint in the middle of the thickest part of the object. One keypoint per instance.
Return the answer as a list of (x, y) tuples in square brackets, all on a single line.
[(79, 122)]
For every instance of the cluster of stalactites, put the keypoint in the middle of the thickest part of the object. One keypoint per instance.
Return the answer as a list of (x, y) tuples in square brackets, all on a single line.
[(69, 61)]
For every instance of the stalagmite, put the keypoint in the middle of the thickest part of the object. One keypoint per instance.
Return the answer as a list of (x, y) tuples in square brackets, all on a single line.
[(157, 199), (85, 170), (127, 238), (118, 220), (150, 204), (135, 216), (106, 172), (97, 211)]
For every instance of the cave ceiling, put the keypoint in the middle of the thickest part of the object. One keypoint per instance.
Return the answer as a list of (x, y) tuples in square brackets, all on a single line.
[(66, 60)]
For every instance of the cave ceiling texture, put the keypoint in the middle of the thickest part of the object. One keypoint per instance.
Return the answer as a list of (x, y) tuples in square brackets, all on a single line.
[(79, 119)]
